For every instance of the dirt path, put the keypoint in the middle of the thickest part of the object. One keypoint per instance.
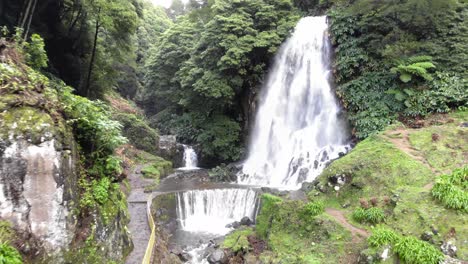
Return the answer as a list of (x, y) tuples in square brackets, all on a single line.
[(357, 233), (138, 226), (400, 138)]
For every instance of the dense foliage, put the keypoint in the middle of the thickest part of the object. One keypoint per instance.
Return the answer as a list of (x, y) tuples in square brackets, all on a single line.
[(399, 59), (452, 189), (207, 65)]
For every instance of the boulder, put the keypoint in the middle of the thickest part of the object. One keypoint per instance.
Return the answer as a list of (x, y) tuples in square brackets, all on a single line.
[(246, 221), (449, 248), (217, 257), (170, 150)]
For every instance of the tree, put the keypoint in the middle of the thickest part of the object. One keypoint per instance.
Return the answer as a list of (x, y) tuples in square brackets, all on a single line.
[(116, 20), (208, 63)]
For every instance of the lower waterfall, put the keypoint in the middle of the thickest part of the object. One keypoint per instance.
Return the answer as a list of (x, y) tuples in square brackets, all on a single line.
[(209, 211)]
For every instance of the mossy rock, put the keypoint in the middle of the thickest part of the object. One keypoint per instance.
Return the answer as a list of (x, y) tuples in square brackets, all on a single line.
[(138, 132), (30, 123), (158, 169), (237, 241)]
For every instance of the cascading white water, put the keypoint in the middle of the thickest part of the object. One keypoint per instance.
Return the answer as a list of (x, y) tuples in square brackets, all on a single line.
[(298, 128), (209, 211), (190, 158)]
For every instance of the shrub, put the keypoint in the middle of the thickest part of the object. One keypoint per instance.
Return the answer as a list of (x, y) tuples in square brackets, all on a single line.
[(36, 55), (9, 254), (452, 189), (410, 249), (371, 215), (312, 209), (382, 236)]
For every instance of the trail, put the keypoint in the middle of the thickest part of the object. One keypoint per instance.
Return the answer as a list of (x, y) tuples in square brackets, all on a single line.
[(138, 226), (400, 138), (357, 233)]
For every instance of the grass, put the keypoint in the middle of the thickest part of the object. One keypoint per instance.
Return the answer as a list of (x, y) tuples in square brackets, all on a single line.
[(408, 248), (452, 189), (377, 168), (373, 215)]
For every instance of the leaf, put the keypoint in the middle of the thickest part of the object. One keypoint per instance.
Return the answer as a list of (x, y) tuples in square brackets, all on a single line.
[(405, 77)]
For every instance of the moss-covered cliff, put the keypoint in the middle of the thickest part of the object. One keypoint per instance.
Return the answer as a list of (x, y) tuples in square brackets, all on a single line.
[(61, 205)]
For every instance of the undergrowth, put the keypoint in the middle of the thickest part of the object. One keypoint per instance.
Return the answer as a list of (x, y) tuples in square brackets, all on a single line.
[(452, 189), (408, 248)]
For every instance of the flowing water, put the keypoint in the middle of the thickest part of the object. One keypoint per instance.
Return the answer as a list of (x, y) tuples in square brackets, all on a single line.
[(190, 159), (299, 128), (209, 211)]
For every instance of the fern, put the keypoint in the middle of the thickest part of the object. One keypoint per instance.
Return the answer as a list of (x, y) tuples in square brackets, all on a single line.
[(415, 66)]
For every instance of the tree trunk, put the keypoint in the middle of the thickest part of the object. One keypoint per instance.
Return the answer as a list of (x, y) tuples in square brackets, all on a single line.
[(25, 14), (30, 19), (93, 54)]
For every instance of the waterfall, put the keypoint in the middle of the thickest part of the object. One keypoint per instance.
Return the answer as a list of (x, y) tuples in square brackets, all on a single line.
[(209, 211), (190, 158), (299, 128)]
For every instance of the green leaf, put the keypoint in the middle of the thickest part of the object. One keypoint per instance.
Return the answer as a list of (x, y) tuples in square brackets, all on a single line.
[(404, 77)]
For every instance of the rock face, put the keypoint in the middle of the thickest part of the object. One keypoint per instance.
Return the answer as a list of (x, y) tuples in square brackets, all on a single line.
[(170, 150), (38, 177)]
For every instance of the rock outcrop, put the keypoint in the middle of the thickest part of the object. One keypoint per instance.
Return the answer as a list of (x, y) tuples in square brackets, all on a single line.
[(38, 176)]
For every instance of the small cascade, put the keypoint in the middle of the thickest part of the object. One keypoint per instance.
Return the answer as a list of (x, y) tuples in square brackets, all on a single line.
[(190, 158), (299, 128), (209, 211)]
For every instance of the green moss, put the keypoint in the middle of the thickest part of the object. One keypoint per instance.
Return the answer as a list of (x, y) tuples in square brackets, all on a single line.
[(115, 205), (376, 167), (6, 231), (270, 204), (237, 240), (444, 147), (294, 235), (30, 123), (158, 168)]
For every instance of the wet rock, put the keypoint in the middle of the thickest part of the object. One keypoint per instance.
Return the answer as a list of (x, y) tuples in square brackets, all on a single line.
[(234, 225), (449, 248), (185, 257), (307, 186), (169, 149), (246, 221), (341, 154), (217, 257), (426, 236)]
